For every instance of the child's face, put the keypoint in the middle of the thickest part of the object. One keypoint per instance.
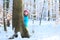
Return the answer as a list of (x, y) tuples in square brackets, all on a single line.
[(26, 13)]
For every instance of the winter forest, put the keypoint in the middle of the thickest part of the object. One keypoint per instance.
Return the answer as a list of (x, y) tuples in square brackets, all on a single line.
[(29, 19)]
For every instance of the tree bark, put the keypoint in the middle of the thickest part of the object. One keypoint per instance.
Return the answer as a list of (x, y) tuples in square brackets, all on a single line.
[(17, 18)]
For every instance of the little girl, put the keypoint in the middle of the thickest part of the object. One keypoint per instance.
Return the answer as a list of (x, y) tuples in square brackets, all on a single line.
[(26, 19)]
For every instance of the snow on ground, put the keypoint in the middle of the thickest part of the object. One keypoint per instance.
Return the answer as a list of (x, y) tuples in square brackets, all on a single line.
[(45, 31)]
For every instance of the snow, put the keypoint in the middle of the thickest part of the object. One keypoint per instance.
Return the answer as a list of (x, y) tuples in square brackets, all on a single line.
[(48, 30), (45, 31)]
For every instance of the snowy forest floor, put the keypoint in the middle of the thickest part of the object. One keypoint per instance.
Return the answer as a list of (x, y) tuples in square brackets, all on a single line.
[(48, 30)]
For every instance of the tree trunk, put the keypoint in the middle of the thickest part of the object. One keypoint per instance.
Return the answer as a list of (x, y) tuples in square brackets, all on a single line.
[(48, 15), (17, 18), (4, 16)]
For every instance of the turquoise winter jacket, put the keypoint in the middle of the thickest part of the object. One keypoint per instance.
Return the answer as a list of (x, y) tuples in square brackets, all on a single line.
[(26, 21)]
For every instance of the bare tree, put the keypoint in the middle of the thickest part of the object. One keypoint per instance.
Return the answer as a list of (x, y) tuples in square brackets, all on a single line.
[(17, 18), (5, 6), (34, 12), (48, 10)]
